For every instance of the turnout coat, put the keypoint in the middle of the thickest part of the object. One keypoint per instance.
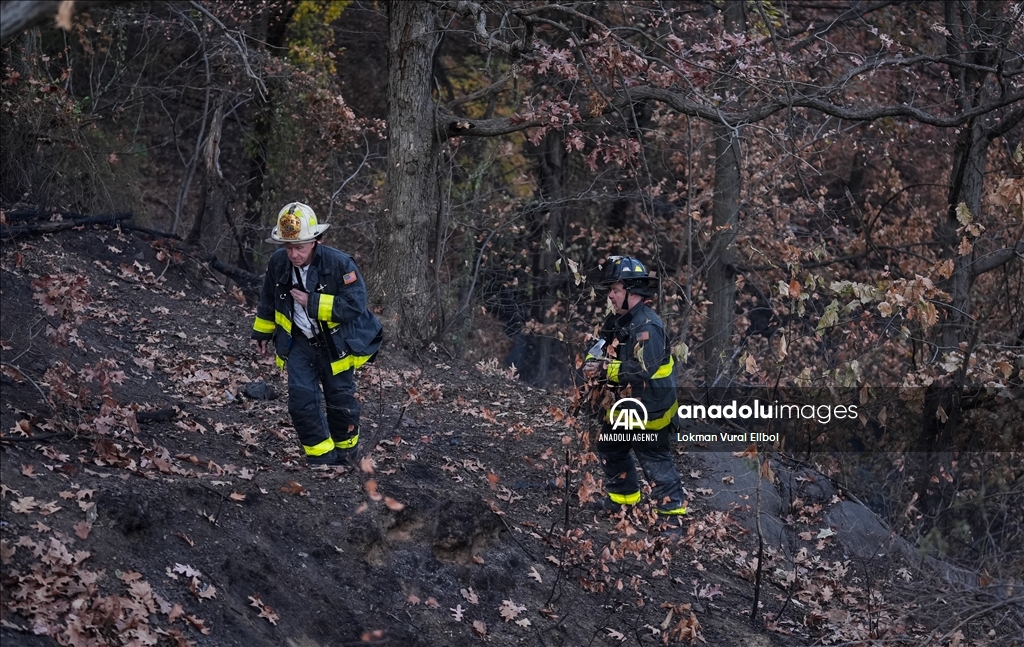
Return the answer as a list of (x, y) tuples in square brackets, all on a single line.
[(350, 333)]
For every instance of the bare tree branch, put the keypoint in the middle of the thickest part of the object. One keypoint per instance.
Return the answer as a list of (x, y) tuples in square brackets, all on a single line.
[(997, 259)]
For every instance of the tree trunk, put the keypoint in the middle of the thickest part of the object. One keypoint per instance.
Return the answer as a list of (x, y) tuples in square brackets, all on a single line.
[(272, 29), (722, 269), (551, 171), (399, 281), (214, 198), (724, 223), (979, 27)]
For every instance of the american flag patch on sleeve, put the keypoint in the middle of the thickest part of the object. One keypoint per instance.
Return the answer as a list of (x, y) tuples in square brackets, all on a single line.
[(349, 278)]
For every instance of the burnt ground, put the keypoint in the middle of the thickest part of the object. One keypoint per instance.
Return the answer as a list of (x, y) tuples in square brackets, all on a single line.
[(147, 500)]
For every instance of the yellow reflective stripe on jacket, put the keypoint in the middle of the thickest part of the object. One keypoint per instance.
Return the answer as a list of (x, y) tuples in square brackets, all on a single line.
[(263, 325), (320, 448), (348, 443), (625, 499), (347, 362), (676, 511), (665, 419), (283, 321), (665, 369), (323, 311)]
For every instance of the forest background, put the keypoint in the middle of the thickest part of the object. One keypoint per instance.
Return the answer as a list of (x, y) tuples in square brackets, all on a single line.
[(830, 193)]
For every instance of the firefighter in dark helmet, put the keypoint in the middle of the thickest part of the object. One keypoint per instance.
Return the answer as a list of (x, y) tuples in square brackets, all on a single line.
[(636, 353)]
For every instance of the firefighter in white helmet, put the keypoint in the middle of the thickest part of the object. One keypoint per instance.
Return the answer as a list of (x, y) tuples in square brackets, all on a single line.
[(313, 309)]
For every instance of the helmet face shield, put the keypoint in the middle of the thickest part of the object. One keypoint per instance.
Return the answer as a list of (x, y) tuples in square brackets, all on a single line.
[(631, 272)]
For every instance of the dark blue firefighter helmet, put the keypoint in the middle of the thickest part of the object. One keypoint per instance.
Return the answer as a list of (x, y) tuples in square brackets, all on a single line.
[(631, 272)]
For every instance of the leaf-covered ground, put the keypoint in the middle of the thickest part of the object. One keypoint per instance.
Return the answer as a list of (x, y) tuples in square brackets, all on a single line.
[(148, 501)]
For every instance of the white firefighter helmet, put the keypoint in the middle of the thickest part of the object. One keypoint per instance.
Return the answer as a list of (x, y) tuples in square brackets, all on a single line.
[(296, 223)]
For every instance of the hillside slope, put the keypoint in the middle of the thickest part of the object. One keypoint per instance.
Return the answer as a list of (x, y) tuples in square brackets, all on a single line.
[(148, 501)]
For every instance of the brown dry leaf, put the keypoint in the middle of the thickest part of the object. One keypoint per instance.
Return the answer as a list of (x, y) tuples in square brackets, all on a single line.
[(687, 629), (294, 488), (751, 364), (412, 599), (47, 509), (175, 613), (457, 612), (470, 596), (185, 538), (766, 472), (366, 465), (130, 576), (362, 508), (82, 529), (202, 590), (477, 559), (392, 504), (186, 570), (265, 610), (749, 452), (199, 624), (23, 428), (794, 289), (479, 628), (615, 634), (6, 552), (588, 488), (371, 490), (29, 471), (64, 11), (24, 505), (236, 496), (965, 247), (534, 574), (432, 603), (509, 610)]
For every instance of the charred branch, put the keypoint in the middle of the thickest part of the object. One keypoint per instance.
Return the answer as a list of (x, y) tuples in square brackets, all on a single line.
[(246, 280), (997, 259), (67, 221)]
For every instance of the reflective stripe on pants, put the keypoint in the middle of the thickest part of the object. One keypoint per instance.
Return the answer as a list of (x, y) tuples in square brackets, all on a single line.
[(655, 458), (311, 384)]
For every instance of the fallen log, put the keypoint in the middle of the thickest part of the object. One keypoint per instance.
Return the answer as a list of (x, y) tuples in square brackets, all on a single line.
[(150, 232), (243, 278), (50, 226)]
